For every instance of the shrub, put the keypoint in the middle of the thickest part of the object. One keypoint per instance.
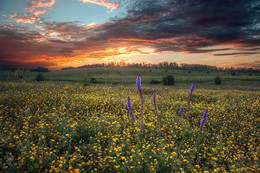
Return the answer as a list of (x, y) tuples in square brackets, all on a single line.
[(39, 77), (217, 80), (93, 80), (155, 81), (168, 80)]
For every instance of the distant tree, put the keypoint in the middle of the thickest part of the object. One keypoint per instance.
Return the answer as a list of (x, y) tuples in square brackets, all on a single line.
[(217, 80), (168, 80), (93, 80), (39, 77), (165, 64), (153, 81)]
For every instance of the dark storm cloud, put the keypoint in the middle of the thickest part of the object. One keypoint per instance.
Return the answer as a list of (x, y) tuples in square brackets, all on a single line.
[(237, 53), (17, 64), (165, 25), (219, 21)]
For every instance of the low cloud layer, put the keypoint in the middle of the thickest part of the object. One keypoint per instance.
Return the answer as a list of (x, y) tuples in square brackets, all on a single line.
[(191, 26)]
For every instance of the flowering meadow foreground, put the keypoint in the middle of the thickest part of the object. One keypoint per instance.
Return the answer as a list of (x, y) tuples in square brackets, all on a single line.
[(55, 127)]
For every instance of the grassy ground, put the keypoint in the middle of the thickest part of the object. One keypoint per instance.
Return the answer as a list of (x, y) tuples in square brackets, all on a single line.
[(47, 127), (126, 76), (62, 125)]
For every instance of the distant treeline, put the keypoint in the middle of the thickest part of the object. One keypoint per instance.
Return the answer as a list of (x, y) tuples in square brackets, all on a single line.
[(163, 65), (38, 69)]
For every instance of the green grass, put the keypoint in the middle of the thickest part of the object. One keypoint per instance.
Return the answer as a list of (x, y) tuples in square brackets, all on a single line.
[(127, 76)]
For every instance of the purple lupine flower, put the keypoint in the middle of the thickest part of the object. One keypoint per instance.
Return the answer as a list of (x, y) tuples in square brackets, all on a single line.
[(130, 108), (139, 87), (155, 108), (138, 82), (191, 90), (192, 87), (128, 102), (154, 94), (205, 115), (181, 111), (203, 121)]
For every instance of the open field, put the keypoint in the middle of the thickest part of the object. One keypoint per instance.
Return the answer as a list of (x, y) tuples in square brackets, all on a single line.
[(62, 126), (126, 76)]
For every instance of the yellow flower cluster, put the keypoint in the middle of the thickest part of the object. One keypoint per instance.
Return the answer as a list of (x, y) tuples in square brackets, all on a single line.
[(70, 128)]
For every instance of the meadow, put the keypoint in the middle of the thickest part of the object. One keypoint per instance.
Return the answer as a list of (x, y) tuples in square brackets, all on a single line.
[(67, 124)]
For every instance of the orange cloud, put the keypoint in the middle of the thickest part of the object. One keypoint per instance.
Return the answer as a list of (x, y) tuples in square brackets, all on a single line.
[(134, 40), (33, 10), (35, 4), (37, 13), (26, 19), (109, 5), (39, 4), (13, 15)]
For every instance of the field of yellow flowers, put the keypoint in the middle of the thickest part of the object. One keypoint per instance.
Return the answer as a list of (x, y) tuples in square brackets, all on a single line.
[(57, 127)]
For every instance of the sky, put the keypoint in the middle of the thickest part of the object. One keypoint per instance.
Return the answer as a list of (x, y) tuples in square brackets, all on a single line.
[(65, 33)]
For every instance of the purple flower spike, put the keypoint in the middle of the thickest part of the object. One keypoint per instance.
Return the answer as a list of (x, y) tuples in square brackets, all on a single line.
[(191, 90), (128, 102), (205, 115), (192, 87), (138, 82), (139, 87), (155, 108), (129, 106), (203, 121), (181, 111), (154, 95)]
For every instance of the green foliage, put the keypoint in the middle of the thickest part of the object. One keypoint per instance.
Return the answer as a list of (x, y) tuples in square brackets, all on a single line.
[(39, 77), (217, 80), (153, 81), (168, 80), (93, 80)]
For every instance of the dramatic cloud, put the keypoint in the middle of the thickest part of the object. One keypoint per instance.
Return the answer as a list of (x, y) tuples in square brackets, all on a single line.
[(223, 28), (24, 18), (36, 4), (36, 8), (105, 3)]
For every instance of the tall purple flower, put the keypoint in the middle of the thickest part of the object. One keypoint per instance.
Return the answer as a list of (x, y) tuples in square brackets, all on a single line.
[(155, 108), (203, 121), (191, 91), (138, 82), (139, 87), (130, 108), (154, 95), (192, 87), (181, 111)]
